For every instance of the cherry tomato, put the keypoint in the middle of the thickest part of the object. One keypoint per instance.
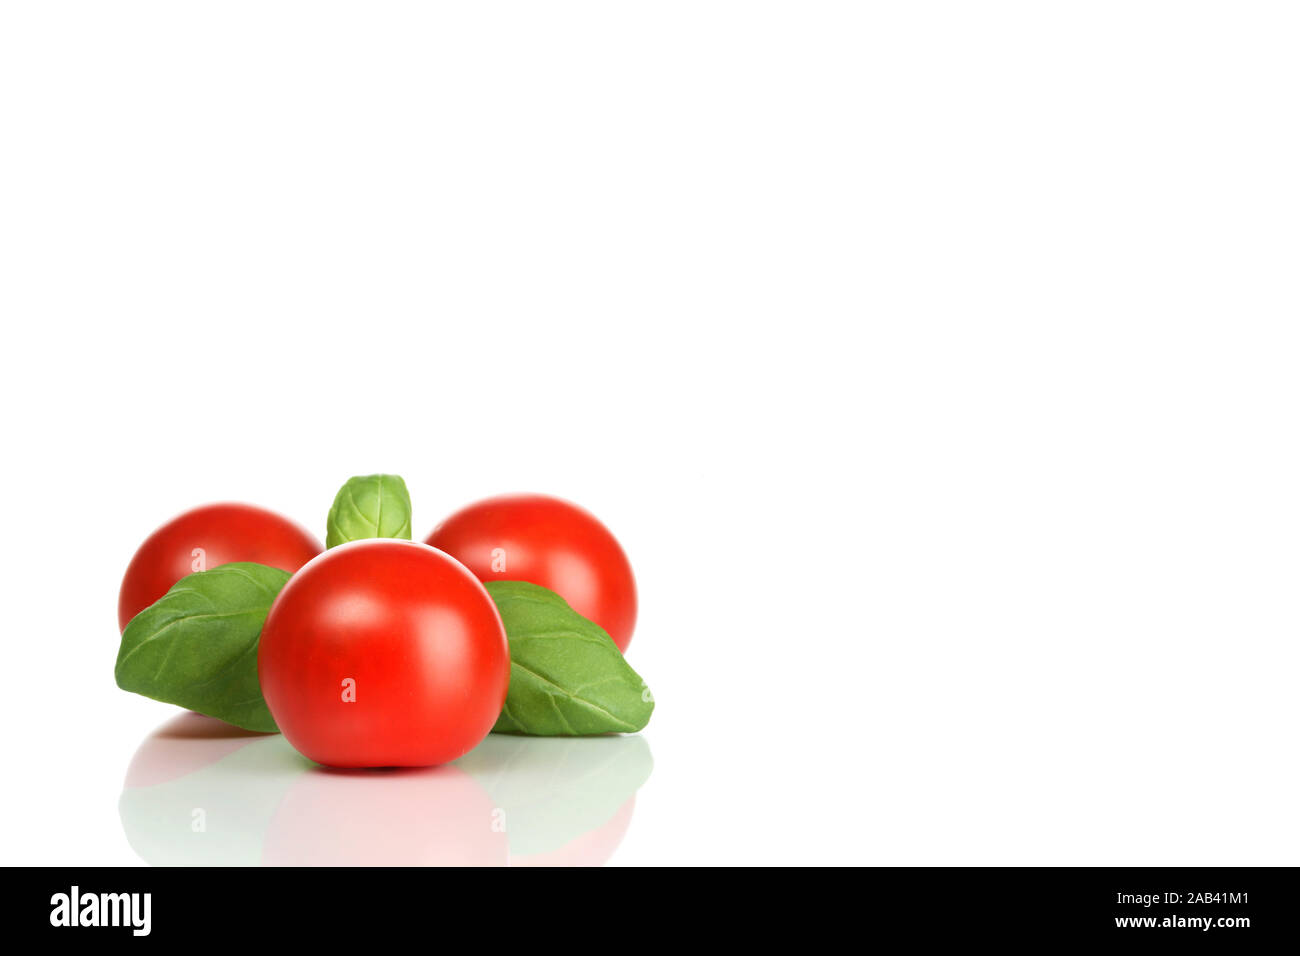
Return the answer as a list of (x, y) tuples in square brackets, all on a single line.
[(204, 538), (551, 543), (383, 653)]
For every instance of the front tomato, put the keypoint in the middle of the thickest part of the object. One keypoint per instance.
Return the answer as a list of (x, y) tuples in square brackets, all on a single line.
[(551, 543), (384, 653), (203, 538)]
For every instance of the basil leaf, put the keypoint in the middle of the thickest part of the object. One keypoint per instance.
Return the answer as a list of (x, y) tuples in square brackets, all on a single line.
[(370, 506), (567, 677), (196, 646)]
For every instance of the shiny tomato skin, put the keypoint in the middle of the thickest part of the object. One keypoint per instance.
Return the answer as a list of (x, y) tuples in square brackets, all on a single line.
[(549, 542), (225, 532), (403, 629)]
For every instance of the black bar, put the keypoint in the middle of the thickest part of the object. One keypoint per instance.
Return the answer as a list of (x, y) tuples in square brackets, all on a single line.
[(1179, 905)]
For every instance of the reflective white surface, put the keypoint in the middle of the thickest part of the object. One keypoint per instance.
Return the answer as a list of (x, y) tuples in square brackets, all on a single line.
[(200, 793)]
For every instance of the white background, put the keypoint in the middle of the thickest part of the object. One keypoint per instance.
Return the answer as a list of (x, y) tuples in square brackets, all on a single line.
[(936, 365)]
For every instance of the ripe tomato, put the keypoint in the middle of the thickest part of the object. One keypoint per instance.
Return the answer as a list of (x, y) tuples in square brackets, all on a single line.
[(383, 653), (551, 543), (204, 538)]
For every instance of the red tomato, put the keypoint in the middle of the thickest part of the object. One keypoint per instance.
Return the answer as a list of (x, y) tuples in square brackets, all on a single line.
[(204, 538), (383, 653), (551, 543)]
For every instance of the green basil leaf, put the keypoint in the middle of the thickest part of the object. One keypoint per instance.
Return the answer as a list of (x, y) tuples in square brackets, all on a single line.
[(567, 677), (370, 506), (196, 646)]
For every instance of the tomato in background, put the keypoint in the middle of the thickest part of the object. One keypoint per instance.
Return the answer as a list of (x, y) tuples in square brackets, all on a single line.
[(551, 543), (383, 653), (204, 538)]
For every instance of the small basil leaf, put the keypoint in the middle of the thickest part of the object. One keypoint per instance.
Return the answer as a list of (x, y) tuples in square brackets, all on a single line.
[(370, 506), (196, 646), (567, 677)]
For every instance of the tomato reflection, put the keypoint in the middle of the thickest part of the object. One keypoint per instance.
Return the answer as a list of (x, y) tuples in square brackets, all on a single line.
[(199, 792)]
